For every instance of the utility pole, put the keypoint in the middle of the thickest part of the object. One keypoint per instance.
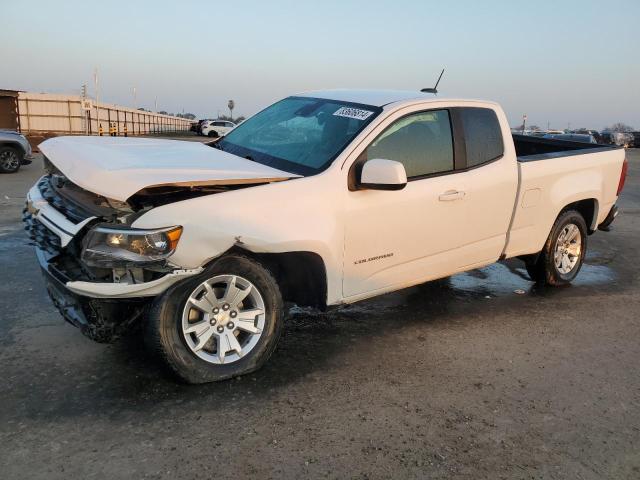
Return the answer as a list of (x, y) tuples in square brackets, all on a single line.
[(83, 95), (95, 80)]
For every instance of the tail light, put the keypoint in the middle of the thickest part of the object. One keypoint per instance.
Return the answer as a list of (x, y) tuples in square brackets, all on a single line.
[(623, 176)]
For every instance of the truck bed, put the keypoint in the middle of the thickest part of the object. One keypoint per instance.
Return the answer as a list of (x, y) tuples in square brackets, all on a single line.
[(553, 174), (530, 148)]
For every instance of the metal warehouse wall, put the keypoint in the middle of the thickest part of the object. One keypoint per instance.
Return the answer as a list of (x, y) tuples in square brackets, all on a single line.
[(63, 114)]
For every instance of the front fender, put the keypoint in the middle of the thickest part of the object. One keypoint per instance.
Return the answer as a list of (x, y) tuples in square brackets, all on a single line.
[(273, 218)]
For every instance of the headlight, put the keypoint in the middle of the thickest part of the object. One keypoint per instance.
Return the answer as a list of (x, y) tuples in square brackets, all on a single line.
[(111, 247)]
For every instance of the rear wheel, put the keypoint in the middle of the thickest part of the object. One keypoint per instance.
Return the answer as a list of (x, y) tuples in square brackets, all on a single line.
[(563, 252), (9, 160), (220, 324)]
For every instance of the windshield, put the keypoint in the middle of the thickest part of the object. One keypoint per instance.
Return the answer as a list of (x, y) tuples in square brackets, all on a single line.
[(299, 134)]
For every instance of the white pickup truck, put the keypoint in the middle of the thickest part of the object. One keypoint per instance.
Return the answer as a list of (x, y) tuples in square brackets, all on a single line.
[(321, 199)]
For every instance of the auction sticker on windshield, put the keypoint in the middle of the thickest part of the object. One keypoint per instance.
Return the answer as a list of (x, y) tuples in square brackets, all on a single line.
[(353, 113)]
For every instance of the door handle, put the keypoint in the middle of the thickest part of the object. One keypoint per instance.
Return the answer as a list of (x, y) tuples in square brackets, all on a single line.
[(451, 195)]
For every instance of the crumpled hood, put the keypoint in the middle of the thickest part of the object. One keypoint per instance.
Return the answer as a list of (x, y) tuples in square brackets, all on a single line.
[(117, 167)]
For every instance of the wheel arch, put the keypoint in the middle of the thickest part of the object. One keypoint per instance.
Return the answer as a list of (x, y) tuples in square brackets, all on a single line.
[(12, 144), (588, 208), (301, 275)]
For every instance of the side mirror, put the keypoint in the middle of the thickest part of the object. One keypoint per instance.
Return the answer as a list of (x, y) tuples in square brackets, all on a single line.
[(380, 174)]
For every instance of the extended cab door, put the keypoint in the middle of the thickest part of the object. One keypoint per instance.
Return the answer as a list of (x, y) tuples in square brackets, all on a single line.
[(450, 214), (490, 165)]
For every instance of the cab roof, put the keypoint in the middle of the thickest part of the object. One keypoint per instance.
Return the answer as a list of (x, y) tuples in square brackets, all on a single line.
[(377, 98)]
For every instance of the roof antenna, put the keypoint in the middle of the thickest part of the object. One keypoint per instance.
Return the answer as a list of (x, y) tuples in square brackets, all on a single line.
[(434, 90)]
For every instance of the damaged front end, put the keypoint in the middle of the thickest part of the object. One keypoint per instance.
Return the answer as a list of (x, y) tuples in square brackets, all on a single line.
[(93, 288), (101, 272)]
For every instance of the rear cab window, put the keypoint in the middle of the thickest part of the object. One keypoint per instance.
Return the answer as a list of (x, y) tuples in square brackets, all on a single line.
[(482, 135)]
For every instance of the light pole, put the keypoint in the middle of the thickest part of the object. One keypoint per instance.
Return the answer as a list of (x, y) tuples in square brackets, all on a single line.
[(231, 106)]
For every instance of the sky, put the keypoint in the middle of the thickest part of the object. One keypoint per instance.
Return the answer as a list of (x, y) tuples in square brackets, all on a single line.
[(563, 63)]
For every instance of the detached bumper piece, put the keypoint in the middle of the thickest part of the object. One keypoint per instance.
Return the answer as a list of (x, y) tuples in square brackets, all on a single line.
[(605, 226)]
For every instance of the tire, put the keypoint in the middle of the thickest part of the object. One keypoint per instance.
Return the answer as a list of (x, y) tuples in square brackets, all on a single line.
[(9, 159), (173, 314), (568, 235), (213, 134)]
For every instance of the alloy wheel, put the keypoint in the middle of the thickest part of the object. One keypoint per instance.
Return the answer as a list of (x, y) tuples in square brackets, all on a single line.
[(568, 249), (9, 160), (223, 319)]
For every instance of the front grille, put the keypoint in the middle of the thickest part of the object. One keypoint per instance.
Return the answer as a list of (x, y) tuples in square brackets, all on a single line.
[(73, 212), (44, 238)]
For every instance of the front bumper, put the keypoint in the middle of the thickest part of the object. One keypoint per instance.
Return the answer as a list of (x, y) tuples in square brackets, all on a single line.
[(101, 320), (130, 290), (102, 310)]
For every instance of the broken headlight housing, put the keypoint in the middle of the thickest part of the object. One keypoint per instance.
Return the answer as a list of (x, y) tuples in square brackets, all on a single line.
[(117, 247)]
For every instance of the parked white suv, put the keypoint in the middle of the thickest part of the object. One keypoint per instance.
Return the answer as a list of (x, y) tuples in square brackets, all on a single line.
[(321, 199), (217, 128)]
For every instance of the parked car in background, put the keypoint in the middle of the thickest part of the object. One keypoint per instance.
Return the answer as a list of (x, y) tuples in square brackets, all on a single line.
[(15, 151), (322, 199), (606, 138), (635, 143), (622, 139), (584, 131), (537, 133), (200, 124), (572, 137), (217, 128)]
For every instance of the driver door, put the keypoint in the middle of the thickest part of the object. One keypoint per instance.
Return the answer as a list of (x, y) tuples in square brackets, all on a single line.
[(399, 238)]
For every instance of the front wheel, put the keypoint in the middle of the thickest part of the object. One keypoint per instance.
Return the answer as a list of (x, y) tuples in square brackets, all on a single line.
[(213, 134), (222, 323), (563, 253)]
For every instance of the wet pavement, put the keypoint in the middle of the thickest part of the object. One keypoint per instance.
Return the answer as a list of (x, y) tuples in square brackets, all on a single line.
[(481, 375)]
